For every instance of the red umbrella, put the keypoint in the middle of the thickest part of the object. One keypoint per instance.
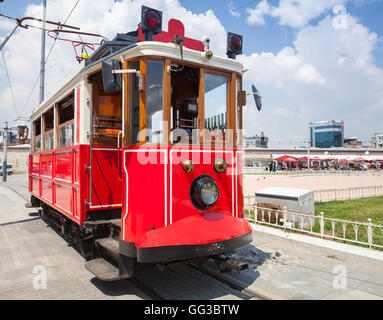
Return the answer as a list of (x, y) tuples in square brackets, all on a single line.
[(344, 161), (360, 159), (315, 158), (302, 159), (286, 158)]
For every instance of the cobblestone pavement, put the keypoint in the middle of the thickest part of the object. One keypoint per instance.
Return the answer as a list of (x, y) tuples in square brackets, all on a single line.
[(28, 244), (295, 270), (279, 267)]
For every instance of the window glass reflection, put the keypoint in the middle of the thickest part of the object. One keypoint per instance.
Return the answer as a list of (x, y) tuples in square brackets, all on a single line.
[(215, 102), (154, 100)]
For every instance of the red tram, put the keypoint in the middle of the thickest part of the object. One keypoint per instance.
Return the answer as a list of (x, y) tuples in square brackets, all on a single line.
[(138, 155)]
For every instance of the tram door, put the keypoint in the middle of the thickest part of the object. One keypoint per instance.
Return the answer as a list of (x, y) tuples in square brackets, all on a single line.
[(106, 182), (184, 104)]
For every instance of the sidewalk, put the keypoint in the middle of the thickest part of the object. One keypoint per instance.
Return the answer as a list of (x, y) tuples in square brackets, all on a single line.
[(279, 267), (291, 269)]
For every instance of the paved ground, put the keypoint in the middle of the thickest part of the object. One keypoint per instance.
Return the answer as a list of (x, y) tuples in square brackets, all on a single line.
[(18, 183), (294, 270), (28, 245), (278, 267), (254, 183)]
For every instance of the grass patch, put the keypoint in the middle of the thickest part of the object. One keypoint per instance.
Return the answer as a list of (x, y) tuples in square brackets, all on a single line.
[(356, 209)]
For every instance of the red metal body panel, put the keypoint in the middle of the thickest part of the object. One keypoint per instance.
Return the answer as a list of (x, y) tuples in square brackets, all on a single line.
[(157, 190), (55, 179), (58, 177), (106, 179), (145, 191), (197, 229), (180, 181)]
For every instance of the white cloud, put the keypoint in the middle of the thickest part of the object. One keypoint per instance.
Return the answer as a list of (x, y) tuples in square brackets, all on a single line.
[(256, 15), (232, 10), (106, 17), (279, 70), (328, 74), (278, 111), (308, 74), (293, 13)]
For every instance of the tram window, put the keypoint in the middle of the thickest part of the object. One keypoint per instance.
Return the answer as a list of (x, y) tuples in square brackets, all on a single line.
[(107, 115), (154, 100), (216, 105), (134, 95), (49, 130), (37, 135), (66, 121), (184, 105)]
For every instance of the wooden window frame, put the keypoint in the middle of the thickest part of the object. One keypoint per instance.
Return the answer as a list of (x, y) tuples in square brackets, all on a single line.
[(58, 132), (45, 132), (58, 126), (127, 112), (230, 123)]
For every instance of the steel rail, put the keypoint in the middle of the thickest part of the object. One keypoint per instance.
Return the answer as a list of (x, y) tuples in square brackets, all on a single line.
[(232, 283), (145, 289)]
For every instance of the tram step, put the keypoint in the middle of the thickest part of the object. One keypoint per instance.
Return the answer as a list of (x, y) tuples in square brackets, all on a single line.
[(30, 204), (104, 270), (109, 248), (116, 223)]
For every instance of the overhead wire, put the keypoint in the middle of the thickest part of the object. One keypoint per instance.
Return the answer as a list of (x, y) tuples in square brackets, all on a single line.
[(46, 60), (10, 84), (165, 7)]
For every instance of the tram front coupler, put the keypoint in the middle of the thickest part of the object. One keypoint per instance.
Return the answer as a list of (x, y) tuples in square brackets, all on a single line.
[(227, 263)]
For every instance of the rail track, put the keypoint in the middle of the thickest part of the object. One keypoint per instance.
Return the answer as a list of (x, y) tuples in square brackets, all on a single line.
[(231, 282), (150, 292), (156, 291)]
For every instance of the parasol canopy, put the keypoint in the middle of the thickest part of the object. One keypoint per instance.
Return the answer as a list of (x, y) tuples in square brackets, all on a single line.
[(286, 158), (360, 159)]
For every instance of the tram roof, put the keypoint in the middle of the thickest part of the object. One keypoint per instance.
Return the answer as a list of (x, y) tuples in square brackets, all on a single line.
[(132, 50)]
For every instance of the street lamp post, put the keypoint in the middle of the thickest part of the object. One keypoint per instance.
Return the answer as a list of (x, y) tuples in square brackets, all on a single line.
[(5, 152)]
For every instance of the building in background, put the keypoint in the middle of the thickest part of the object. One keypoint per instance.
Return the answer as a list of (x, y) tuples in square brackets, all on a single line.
[(327, 134), (377, 141), (353, 143), (256, 142), (16, 136)]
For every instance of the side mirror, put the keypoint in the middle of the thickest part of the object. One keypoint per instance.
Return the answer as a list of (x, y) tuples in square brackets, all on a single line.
[(112, 81), (257, 97)]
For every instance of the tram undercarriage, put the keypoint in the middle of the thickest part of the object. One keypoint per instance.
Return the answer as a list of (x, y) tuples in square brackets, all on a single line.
[(109, 259)]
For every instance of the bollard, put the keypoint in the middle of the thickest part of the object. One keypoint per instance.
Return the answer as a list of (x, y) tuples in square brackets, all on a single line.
[(369, 232), (321, 222)]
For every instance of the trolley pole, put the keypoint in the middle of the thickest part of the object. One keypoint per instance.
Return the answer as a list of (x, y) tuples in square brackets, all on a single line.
[(42, 64), (5, 151)]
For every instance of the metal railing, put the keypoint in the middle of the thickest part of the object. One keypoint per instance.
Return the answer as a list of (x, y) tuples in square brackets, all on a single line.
[(347, 193), (364, 233), (262, 171)]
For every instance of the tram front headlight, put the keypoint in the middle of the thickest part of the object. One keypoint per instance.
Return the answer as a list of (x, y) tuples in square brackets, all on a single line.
[(204, 192)]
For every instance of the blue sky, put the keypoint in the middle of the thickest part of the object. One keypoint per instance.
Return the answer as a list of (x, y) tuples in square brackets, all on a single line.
[(306, 69), (270, 37), (273, 37)]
